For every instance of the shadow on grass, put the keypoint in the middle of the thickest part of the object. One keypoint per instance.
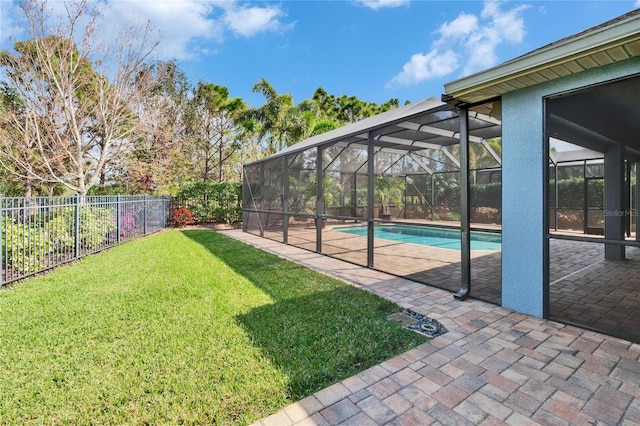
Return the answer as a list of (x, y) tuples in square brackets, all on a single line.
[(318, 330)]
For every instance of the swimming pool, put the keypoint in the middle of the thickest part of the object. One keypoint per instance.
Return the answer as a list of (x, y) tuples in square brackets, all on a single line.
[(435, 237)]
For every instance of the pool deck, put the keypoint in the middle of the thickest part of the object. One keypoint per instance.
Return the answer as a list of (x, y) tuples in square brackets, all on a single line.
[(585, 289), (493, 367)]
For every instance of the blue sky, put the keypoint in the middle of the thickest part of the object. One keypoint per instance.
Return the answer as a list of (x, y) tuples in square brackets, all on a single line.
[(373, 49)]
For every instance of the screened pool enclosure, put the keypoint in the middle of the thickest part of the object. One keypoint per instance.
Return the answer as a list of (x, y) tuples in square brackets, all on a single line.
[(387, 192), (418, 191)]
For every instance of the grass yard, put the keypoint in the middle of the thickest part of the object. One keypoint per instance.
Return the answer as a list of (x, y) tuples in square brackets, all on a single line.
[(182, 327)]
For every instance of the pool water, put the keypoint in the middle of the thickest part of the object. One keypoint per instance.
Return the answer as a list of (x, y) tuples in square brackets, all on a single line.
[(435, 237)]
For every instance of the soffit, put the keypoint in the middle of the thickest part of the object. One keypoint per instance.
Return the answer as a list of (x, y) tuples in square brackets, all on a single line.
[(614, 41)]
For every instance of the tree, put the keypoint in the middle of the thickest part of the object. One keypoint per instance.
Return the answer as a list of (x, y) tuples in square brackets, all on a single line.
[(160, 157), (315, 120), (389, 189), (215, 126), (75, 97), (348, 109), (281, 122)]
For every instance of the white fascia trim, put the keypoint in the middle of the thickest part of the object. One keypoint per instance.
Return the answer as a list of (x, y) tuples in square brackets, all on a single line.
[(588, 44)]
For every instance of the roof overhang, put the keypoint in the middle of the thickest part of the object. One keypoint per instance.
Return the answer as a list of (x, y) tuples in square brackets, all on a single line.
[(613, 41)]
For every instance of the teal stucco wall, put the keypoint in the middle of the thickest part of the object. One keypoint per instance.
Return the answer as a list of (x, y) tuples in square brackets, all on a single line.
[(523, 165)]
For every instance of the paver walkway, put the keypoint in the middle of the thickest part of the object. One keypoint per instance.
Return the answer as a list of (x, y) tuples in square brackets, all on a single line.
[(493, 367)]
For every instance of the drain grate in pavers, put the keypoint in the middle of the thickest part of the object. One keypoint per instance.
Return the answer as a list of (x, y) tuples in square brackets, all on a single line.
[(419, 323)]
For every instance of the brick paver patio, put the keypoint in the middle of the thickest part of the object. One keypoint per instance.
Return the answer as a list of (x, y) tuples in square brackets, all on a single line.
[(585, 289), (494, 366)]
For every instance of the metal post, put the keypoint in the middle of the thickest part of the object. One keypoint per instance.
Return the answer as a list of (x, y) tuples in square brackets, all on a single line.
[(557, 199), (354, 196), (433, 194), (637, 206), (166, 203), (404, 195), (370, 199), (627, 197), (261, 216), (144, 215), (3, 222), (118, 219), (465, 240), (76, 227), (319, 200), (285, 201), (585, 198)]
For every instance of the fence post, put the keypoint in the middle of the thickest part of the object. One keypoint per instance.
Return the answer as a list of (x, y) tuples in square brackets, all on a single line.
[(164, 212), (76, 227), (2, 239), (118, 220), (144, 212)]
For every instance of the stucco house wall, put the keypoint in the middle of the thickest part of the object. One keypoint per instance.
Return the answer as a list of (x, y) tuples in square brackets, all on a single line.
[(523, 163)]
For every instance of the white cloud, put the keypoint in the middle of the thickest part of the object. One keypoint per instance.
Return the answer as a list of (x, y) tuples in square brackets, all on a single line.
[(462, 26), (248, 21), (9, 28), (637, 4), (14, 26), (379, 4), (509, 25), (188, 27), (184, 25), (501, 27), (468, 42), (425, 66)]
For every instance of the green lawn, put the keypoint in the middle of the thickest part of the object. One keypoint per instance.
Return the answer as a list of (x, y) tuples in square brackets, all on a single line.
[(182, 327)]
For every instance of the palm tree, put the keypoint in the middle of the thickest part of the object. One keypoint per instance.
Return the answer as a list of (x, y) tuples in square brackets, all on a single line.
[(280, 120), (389, 189)]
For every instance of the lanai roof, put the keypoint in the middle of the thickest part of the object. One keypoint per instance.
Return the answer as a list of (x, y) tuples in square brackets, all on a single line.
[(420, 131)]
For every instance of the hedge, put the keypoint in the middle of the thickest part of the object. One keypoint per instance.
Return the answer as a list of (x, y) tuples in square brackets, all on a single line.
[(219, 202), (482, 195), (571, 193)]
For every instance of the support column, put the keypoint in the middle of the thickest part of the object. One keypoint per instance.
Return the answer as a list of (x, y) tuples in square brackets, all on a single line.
[(370, 198), (636, 210), (261, 215), (614, 203), (525, 215), (433, 194), (557, 199), (319, 200), (627, 198), (465, 226), (285, 200), (585, 199), (354, 195)]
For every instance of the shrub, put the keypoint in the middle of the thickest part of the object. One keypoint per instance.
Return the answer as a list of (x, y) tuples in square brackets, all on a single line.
[(212, 201), (570, 220), (487, 195), (485, 215), (129, 226), (182, 216), (571, 193), (26, 246), (96, 226)]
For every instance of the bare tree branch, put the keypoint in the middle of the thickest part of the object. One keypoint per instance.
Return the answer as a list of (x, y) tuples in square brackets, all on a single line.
[(75, 92)]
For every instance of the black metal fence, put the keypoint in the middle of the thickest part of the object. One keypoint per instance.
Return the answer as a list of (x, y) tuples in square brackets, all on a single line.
[(39, 233)]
